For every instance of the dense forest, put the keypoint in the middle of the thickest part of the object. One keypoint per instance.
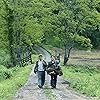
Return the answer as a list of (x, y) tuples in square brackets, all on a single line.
[(70, 23)]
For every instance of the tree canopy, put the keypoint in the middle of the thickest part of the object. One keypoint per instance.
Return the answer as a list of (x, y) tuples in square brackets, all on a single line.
[(55, 22)]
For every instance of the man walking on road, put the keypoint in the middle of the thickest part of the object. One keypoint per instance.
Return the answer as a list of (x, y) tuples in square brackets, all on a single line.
[(53, 70), (40, 69)]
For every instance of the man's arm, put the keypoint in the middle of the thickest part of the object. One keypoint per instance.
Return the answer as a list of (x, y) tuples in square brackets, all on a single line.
[(36, 67), (49, 64)]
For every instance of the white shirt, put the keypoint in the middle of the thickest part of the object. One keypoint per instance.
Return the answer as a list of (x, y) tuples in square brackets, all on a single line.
[(40, 66)]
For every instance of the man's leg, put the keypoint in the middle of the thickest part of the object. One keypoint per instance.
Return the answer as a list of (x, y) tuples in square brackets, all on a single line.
[(40, 79), (55, 80), (43, 78), (52, 80)]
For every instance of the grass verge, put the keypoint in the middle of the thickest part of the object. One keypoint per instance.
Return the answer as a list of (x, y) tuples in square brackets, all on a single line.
[(83, 79), (49, 94), (12, 79), (9, 87)]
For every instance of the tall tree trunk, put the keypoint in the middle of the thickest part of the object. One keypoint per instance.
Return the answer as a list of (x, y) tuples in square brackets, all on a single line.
[(67, 54), (10, 32), (9, 19)]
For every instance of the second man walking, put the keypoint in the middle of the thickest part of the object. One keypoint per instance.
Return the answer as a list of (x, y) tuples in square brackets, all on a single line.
[(40, 69)]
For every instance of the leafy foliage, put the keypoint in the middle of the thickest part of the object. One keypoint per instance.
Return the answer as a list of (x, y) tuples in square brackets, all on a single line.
[(55, 22)]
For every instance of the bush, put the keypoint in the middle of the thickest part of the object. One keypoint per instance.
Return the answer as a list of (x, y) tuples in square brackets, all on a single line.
[(5, 73), (4, 57)]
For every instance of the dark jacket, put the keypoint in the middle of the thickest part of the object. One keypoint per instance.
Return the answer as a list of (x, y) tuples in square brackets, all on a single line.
[(54, 68), (36, 66)]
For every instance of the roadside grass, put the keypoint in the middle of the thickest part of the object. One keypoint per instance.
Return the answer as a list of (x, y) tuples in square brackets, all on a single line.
[(9, 87), (12, 79), (83, 79), (75, 53), (85, 54), (81, 57), (49, 94), (83, 75)]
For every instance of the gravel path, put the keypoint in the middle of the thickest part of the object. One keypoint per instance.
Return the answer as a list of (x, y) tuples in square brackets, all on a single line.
[(30, 91)]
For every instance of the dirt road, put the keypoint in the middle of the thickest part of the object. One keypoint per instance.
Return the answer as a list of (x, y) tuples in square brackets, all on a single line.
[(30, 91)]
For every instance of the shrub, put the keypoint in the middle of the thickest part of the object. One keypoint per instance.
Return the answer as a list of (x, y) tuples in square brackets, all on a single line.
[(5, 73)]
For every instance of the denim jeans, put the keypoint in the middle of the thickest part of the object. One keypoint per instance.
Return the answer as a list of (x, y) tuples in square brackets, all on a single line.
[(41, 78), (53, 81)]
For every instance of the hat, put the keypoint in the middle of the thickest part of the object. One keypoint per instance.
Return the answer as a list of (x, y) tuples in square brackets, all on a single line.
[(40, 55)]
